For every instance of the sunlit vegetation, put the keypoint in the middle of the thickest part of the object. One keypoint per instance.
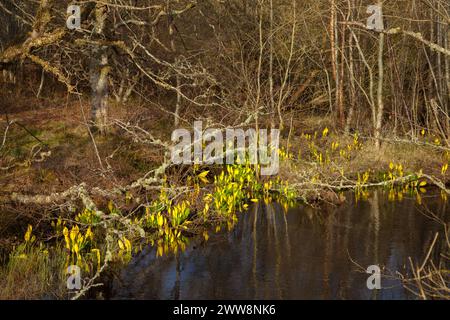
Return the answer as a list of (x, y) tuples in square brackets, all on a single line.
[(212, 203), (213, 198), (329, 161)]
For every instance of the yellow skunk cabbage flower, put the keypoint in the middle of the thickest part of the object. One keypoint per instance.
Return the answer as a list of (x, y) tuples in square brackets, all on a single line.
[(76, 248), (66, 237), (73, 233), (127, 244), (89, 234), (121, 246), (325, 132), (160, 220), (202, 176), (444, 169), (28, 235)]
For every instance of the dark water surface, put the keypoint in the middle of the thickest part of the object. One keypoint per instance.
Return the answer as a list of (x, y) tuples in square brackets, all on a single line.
[(301, 254)]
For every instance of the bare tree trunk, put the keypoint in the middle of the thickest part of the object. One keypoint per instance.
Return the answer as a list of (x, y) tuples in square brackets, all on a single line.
[(340, 88), (178, 78), (440, 72), (333, 44), (351, 5), (380, 103), (99, 70), (178, 104), (337, 71), (446, 36), (271, 93)]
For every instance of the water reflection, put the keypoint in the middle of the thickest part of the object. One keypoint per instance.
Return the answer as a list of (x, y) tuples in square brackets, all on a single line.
[(303, 254)]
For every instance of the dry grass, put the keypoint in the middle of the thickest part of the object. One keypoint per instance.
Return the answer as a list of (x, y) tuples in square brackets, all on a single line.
[(33, 274)]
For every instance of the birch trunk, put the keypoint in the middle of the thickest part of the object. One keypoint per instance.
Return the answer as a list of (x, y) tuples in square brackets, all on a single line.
[(99, 71), (380, 103)]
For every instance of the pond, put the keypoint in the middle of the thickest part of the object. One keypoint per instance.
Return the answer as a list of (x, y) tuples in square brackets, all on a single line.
[(303, 253)]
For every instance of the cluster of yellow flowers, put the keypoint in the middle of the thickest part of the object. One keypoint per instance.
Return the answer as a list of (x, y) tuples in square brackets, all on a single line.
[(179, 213), (76, 241), (323, 155), (285, 155), (395, 171), (232, 187), (125, 248)]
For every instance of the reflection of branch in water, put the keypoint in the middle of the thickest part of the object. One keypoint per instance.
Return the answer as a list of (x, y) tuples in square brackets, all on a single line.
[(328, 256), (427, 212), (430, 281), (272, 219), (177, 285), (255, 249), (375, 217), (385, 273)]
